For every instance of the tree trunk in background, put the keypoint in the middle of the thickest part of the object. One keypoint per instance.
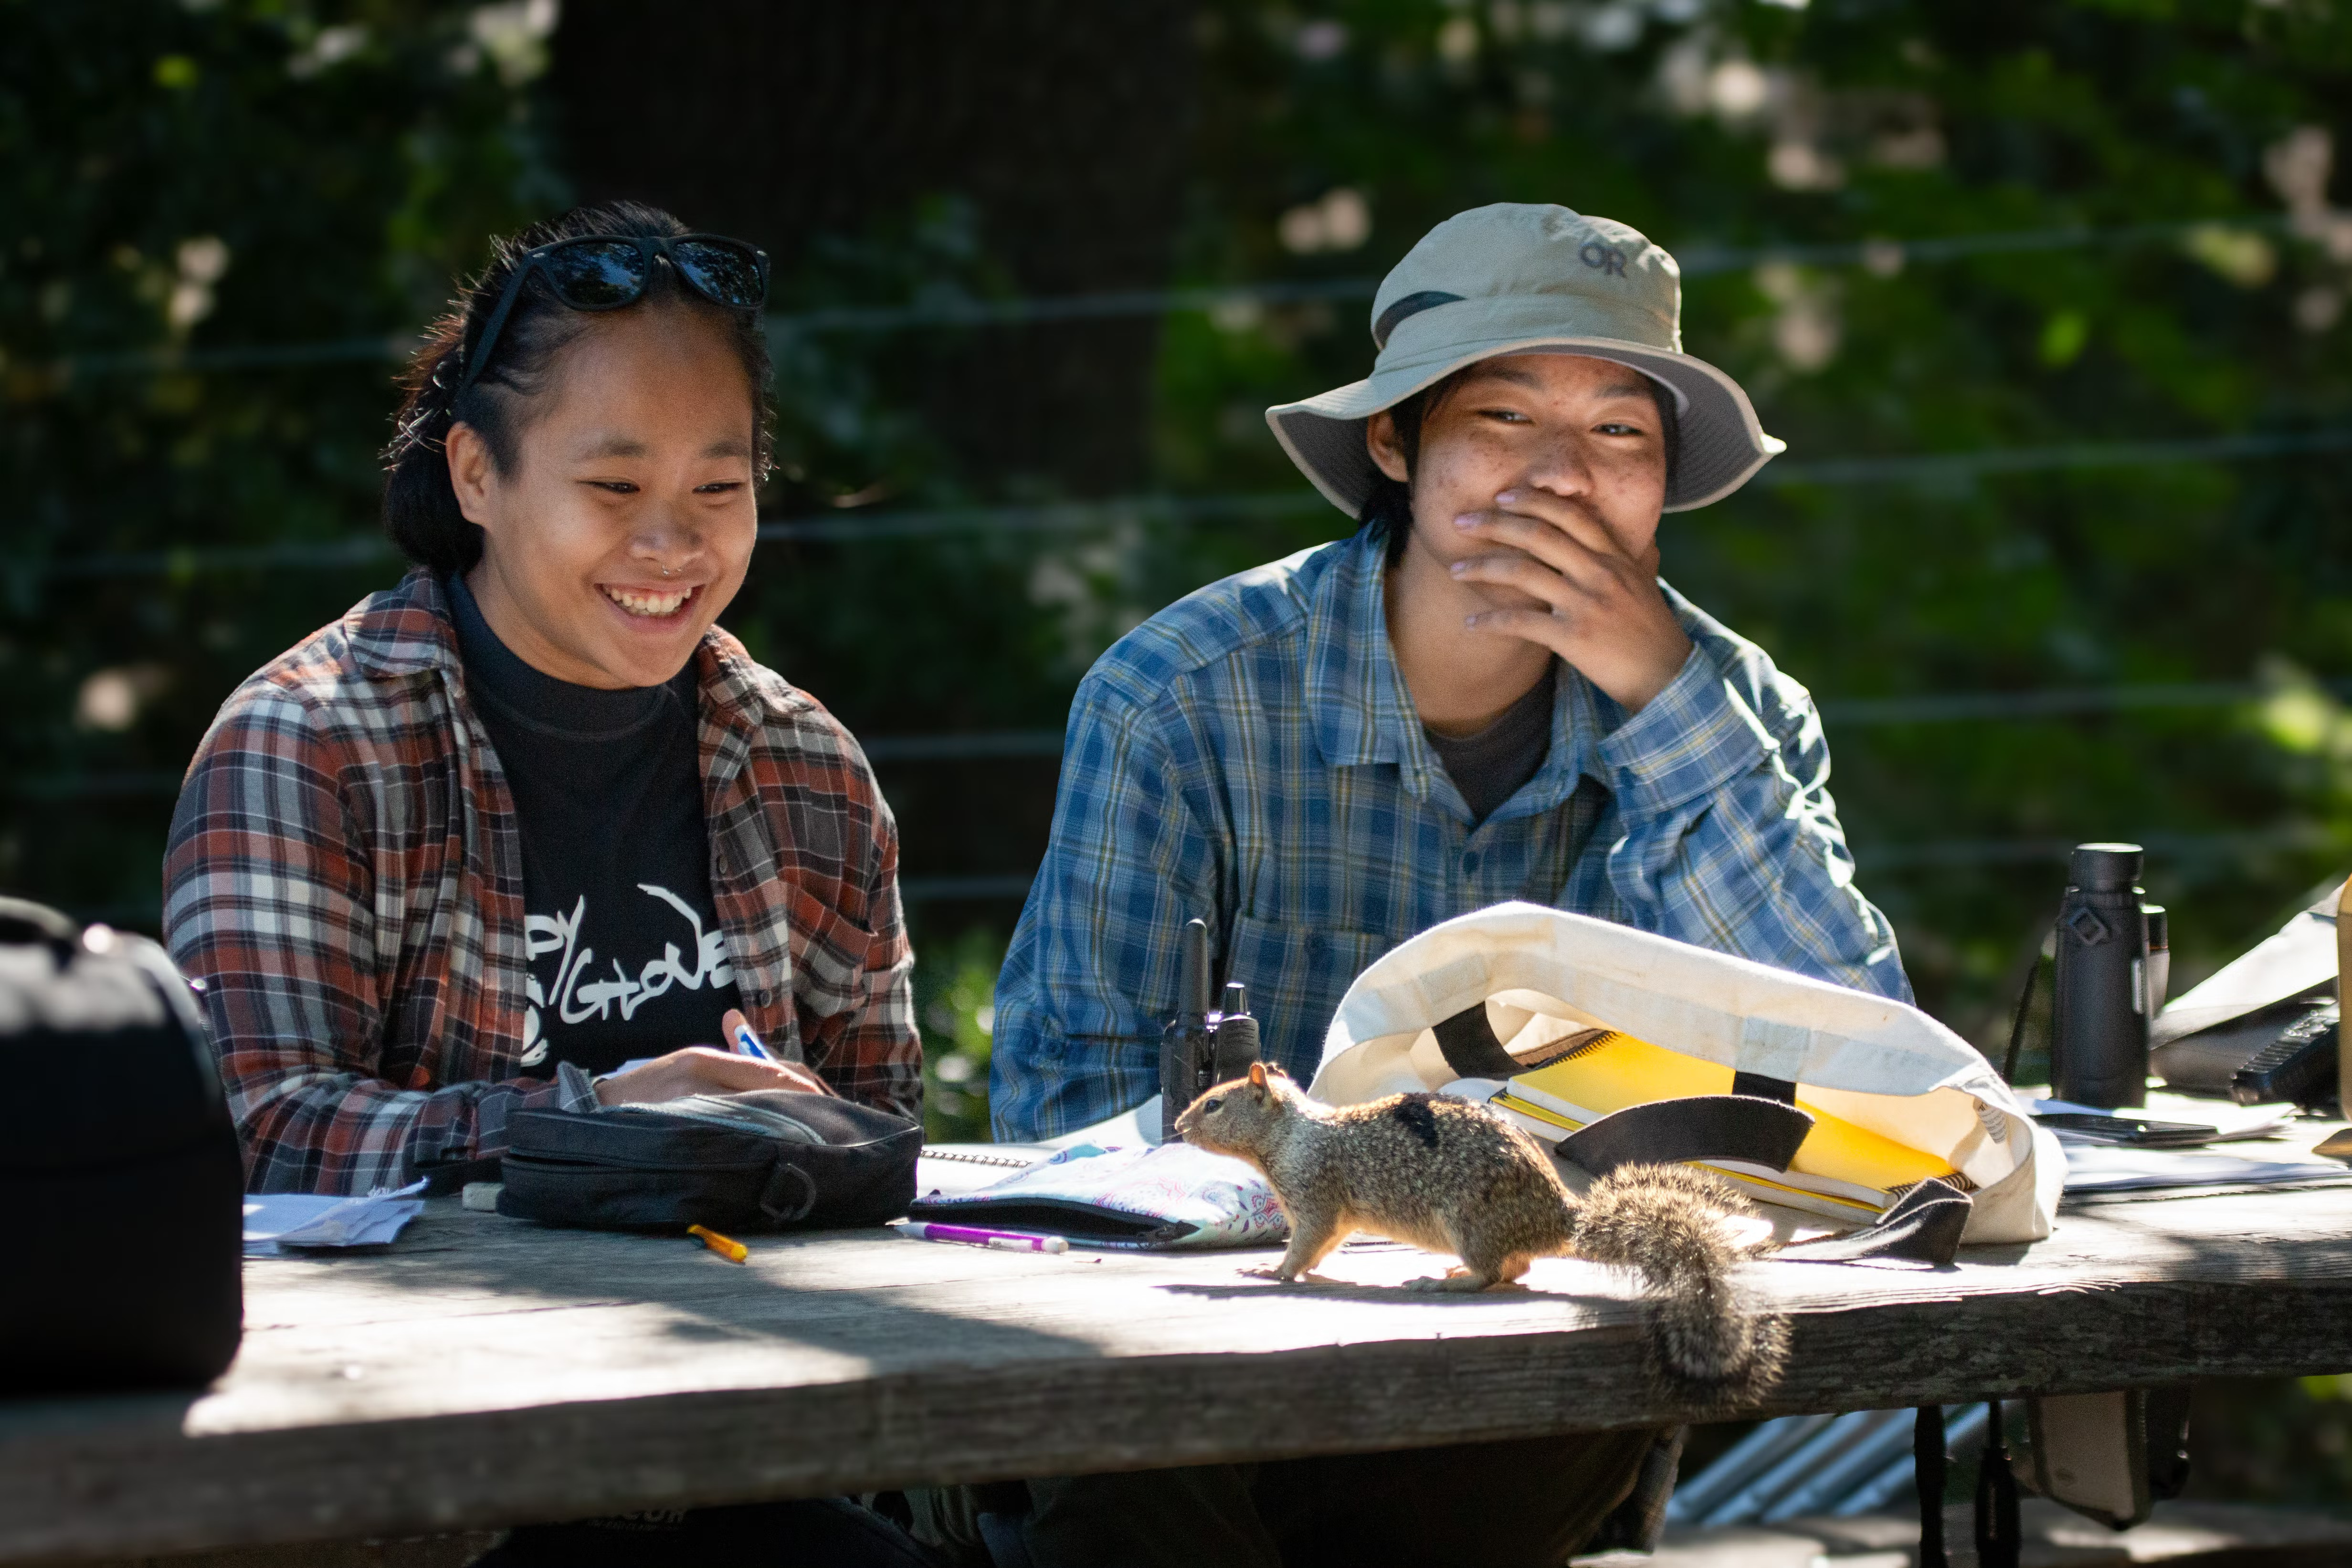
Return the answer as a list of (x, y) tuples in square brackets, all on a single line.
[(1065, 126), (1064, 121)]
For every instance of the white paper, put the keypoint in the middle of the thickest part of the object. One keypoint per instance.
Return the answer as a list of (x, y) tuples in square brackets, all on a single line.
[(275, 1222), (2092, 1168)]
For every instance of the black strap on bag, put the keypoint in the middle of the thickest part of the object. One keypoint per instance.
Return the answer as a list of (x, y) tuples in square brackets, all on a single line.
[(773, 1159), (1922, 1226), (1759, 1131), (114, 1107)]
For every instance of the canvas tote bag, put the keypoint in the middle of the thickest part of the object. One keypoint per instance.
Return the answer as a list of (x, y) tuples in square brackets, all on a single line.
[(1558, 1020)]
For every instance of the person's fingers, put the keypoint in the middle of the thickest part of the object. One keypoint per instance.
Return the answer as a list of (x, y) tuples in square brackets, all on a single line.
[(1532, 537), (1569, 514), (739, 1073), (1562, 590), (1546, 629), (701, 1070), (734, 1023), (742, 1073), (805, 1081), (697, 1070), (1560, 514)]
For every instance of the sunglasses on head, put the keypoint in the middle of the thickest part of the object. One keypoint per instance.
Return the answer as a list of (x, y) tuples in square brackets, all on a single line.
[(607, 272)]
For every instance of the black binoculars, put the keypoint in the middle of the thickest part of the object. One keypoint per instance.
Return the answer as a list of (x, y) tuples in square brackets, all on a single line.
[(2111, 950)]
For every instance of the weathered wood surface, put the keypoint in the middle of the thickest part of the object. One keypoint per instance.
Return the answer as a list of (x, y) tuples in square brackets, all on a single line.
[(489, 1372)]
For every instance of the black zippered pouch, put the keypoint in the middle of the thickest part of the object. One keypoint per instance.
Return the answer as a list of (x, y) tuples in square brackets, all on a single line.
[(773, 1159)]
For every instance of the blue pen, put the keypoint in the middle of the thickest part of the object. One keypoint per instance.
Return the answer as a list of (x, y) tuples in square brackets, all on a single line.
[(749, 1044)]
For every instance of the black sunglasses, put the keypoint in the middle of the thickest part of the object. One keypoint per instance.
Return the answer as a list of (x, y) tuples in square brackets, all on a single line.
[(607, 272)]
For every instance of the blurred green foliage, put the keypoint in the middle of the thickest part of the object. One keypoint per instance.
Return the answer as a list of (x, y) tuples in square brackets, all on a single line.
[(2273, 1439), (188, 181), (955, 998), (178, 177)]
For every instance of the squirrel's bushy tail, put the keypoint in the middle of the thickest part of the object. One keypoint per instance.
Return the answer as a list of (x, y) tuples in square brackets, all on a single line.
[(1668, 1223)]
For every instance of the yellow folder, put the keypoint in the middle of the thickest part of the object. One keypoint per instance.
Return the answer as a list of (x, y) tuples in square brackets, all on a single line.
[(1841, 1168)]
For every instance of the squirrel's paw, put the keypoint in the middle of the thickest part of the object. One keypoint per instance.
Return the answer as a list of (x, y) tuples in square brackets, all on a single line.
[(1305, 1277), (1461, 1280)]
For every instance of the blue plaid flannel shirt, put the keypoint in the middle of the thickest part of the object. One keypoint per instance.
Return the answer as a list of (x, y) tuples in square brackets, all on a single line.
[(1250, 755)]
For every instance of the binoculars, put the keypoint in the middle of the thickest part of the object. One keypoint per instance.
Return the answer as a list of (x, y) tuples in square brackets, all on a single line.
[(2114, 953)]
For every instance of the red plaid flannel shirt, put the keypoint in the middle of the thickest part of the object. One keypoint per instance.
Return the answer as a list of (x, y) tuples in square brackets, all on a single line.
[(344, 877)]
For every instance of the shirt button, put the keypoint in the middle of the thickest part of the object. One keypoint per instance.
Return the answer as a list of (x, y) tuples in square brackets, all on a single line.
[(760, 998), (1470, 863)]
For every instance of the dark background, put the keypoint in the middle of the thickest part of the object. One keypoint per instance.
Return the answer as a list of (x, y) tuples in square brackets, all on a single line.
[(2046, 298)]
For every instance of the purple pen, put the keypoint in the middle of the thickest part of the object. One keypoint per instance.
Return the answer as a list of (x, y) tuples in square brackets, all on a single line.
[(972, 1235)]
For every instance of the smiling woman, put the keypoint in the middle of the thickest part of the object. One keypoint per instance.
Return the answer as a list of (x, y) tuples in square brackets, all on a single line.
[(529, 830), (622, 522), (582, 439)]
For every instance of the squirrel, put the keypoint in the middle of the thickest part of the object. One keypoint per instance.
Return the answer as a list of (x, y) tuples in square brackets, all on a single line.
[(1450, 1176)]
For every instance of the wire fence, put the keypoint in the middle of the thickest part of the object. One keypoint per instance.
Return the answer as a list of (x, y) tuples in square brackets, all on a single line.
[(1237, 303), (1841, 714), (2194, 852), (1882, 255), (1931, 470)]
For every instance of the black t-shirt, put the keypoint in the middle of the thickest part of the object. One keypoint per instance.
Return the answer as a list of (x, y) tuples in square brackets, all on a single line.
[(626, 955), (1490, 767)]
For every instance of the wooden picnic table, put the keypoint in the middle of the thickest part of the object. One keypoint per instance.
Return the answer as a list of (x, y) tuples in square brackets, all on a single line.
[(488, 1372)]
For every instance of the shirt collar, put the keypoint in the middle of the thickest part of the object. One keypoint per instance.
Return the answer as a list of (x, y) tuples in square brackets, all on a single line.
[(1362, 713), (411, 629), (1353, 690)]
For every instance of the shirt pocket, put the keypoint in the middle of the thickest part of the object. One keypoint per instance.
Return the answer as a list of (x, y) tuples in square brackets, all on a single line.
[(1296, 976), (828, 953)]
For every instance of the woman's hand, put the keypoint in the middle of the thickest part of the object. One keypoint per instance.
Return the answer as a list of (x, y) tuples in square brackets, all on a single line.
[(704, 1070), (1599, 607)]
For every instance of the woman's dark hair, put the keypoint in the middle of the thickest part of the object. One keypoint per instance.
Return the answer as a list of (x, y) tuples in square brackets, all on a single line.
[(420, 506), (1389, 509)]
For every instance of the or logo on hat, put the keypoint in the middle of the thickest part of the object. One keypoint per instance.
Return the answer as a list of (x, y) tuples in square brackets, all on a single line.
[(1610, 260)]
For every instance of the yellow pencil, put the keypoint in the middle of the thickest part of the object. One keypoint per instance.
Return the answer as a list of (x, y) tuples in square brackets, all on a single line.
[(726, 1247)]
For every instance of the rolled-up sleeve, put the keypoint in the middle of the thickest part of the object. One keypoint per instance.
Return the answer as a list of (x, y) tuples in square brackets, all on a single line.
[(862, 1036)]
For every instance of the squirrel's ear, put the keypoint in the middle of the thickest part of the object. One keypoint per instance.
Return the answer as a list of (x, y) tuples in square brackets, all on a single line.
[(1257, 1074)]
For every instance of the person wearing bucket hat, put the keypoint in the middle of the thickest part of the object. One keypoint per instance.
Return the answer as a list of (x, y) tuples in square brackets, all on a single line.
[(1486, 694), (1511, 279)]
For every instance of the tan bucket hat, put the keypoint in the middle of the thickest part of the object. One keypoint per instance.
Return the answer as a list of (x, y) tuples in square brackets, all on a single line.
[(1518, 277)]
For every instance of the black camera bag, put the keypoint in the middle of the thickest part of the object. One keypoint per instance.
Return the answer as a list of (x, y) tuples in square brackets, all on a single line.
[(119, 1171), (770, 1159)]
